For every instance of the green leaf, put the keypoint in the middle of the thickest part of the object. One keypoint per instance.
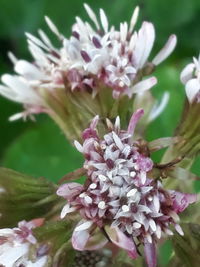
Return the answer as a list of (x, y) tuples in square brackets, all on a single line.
[(43, 151), (187, 247)]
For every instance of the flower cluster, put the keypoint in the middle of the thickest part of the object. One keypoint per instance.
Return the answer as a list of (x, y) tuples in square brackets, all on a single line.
[(118, 194), (91, 59), (15, 244), (98, 77), (190, 76)]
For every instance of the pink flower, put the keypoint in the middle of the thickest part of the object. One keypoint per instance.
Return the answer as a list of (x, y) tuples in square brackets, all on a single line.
[(118, 197), (15, 244)]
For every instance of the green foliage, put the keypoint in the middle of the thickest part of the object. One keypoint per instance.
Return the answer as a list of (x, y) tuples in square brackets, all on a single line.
[(187, 247), (24, 197), (42, 151)]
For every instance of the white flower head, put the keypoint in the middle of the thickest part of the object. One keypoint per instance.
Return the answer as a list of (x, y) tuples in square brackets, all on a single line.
[(190, 77), (96, 55)]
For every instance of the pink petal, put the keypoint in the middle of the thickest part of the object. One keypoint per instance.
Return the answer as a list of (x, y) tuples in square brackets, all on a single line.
[(182, 200), (134, 119), (69, 190), (166, 50), (83, 240), (122, 241), (144, 85), (79, 239), (91, 132), (150, 254)]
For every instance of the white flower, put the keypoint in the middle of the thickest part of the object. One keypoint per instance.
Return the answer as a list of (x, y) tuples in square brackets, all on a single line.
[(15, 244), (190, 76), (96, 55)]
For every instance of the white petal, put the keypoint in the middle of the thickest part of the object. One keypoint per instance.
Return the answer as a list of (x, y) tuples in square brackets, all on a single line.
[(16, 116), (92, 15), (45, 39), (166, 50), (66, 209), (187, 73), (12, 58), (134, 18), (104, 20), (83, 226), (118, 141), (8, 93), (179, 229), (132, 192), (152, 224), (156, 203), (192, 88), (146, 37), (158, 231), (117, 123), (52, 26), (28, 70), (144, 85), (158, 108), (36, 41), (78, 146), (137, 225)]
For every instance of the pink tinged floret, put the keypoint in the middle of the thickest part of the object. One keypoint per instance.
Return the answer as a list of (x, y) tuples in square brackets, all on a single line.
[(122, 241), (182, 200), (143, 86), (91, 132), (118, 194), (166, 50), (150, 254), (68, 191), (82, 239), (134, 120), (144, 163)]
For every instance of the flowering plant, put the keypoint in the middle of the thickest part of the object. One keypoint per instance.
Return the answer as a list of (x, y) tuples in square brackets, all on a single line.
[(120, 204)]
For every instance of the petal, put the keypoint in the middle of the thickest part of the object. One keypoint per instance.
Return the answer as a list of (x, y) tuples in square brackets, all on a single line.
[(144, 85), (150, 254), (104, 20), (187, 73), (166, 50), (66, 209), (192, 88), (134, 119), (122, 241), (159, 107), (52, 26), (28, 70), (92, 15), (146, 37), (79, 239), (69, 190), (83, 240), (134, 18), (182, 200), (78, 146)]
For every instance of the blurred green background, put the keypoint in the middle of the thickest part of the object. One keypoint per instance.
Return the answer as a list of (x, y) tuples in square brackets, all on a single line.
[(39, 148)]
